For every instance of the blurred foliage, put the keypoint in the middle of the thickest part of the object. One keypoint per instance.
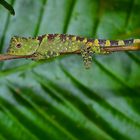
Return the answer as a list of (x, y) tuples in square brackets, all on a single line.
[(58, 99)]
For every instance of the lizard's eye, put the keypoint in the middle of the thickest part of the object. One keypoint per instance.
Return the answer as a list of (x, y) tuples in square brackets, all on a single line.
[(18, 45)]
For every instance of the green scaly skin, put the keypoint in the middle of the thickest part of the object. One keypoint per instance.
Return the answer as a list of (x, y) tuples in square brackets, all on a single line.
[(52, 45)]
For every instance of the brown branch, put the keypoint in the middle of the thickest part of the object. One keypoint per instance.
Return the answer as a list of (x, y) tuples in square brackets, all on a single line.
[(125, 48), (108, 49), (112, 49), (8, 57)]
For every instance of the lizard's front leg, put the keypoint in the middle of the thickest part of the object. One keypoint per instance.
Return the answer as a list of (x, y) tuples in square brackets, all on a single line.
[(45, 55)]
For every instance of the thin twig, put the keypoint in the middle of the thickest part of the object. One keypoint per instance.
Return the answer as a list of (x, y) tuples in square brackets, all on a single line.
[(125, 48), (8, 57), (108, 49), (112, 49)]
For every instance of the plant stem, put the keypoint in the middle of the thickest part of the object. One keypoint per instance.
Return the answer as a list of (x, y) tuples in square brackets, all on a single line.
[(125, 48), (112, 49), (9, 57)]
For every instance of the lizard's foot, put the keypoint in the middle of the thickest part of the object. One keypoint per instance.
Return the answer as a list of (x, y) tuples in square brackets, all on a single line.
[(87, 56)]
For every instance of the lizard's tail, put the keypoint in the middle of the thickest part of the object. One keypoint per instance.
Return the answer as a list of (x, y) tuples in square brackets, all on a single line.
[(116, 43), (128, 42)]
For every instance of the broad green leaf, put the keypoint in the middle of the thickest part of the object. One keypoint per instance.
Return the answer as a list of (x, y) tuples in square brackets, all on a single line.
[(59, 99)]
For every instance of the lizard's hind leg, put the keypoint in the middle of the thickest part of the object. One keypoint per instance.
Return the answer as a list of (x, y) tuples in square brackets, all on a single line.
[(87, 56)]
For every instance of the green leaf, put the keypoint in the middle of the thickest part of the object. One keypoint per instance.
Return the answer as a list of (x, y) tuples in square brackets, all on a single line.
[(59, 99)]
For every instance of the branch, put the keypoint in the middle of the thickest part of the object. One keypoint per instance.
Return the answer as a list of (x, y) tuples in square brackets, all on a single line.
[(112, 49), (8, 57), (125, 48), (108, 49)]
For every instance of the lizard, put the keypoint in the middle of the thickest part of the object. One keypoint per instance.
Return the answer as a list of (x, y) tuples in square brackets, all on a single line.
[(52, 45)]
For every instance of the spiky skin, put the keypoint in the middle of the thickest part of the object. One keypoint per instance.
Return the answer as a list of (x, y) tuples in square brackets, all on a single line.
[(52, 45)]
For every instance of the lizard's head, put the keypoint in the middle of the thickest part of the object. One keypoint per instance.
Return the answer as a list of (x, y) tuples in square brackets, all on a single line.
[(22, 46)]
